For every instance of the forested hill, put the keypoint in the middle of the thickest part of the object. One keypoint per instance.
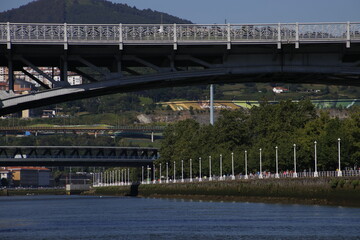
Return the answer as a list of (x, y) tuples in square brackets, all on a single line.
[(84, 11)]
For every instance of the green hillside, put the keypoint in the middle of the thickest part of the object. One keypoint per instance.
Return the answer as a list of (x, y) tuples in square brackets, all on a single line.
[(84, 11)]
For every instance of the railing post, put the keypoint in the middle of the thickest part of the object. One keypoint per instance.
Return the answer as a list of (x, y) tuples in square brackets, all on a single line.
[(297, 36), (228, 36), (279, 36), (8, 35), (175, 37), (348, 35), (121, 47), (65, 37)]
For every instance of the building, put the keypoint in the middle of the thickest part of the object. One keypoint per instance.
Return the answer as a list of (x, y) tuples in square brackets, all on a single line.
[(30, 176), (280, 90), (54, 73)]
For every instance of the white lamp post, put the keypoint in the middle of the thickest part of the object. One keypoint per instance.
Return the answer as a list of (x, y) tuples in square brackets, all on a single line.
[(246, 175), (260, 160), (277, 163), (221, 177), (148, 174), (142, 174), (339, 169), (190, 170), (167, 172), (129, 176), (182, 170), (200, 178), (210, 177), (154, 174), (232, 166), (160, 173), (174, 172), (295, 175), (125, 177), (316, 174)]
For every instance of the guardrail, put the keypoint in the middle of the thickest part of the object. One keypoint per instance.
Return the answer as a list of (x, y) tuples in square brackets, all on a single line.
[(178, 33), (118, 179)]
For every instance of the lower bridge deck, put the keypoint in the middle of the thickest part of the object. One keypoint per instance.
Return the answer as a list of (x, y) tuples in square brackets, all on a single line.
[(76, 156)]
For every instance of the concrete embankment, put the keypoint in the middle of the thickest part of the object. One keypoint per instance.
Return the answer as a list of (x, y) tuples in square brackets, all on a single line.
[(323, 191), (35, 191)]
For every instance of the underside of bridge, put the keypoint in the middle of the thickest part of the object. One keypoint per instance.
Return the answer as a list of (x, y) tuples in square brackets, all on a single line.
[(76, 156), (107, 69)]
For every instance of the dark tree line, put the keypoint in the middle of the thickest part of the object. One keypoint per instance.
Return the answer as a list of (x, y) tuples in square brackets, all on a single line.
[(85, 11), (265, 127)]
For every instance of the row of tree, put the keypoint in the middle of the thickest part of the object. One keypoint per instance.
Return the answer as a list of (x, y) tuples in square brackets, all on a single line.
[(265, 127)]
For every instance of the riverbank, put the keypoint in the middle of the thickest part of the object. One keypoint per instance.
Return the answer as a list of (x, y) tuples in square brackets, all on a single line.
[(35, 191), (321, 191)]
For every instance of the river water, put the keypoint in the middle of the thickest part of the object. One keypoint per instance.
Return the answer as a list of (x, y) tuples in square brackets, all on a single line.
[(83, 217)]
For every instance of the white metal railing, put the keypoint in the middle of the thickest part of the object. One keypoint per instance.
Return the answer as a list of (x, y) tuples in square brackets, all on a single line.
[(111, 180), (178, 33)]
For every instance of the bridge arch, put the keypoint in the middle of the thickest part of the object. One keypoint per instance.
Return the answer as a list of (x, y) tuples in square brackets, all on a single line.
[(182, 55)]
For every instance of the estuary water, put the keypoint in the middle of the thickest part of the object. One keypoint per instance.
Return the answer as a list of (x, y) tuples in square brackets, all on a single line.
[(83, 217)]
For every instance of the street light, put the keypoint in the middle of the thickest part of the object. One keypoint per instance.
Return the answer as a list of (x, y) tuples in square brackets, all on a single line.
[(167, 172), (232, 166), (182, 170), (142, 174), (295, 175), (339, 149), (277, 163), (148, 174), (160, 173), (316, 174), (200, 178), (210, 178), (174, 172), (246, 175), (190, 170), (221, 177), (260, 174), (154, 174), (129, 176)]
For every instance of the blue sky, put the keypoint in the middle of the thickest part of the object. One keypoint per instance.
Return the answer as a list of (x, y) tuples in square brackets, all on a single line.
[(243, 11)]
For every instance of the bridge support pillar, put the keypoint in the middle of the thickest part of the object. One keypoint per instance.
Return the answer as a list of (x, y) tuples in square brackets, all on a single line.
[(10, 72), (64, 68)]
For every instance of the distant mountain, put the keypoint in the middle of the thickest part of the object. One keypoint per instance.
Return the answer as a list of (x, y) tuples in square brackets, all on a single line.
[(84, 11)]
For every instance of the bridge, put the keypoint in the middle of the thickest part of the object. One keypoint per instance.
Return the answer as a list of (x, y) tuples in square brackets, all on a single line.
[(81, 129), (131, 57), (76, 156)]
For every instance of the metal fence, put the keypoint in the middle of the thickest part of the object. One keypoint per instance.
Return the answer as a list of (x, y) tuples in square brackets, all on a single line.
[(118, 179)]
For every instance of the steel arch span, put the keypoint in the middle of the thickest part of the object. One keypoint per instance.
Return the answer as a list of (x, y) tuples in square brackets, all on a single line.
[(124, 58)]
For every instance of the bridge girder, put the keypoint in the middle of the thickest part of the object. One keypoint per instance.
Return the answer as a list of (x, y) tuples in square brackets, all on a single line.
[(76, 156), (330, 63)]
